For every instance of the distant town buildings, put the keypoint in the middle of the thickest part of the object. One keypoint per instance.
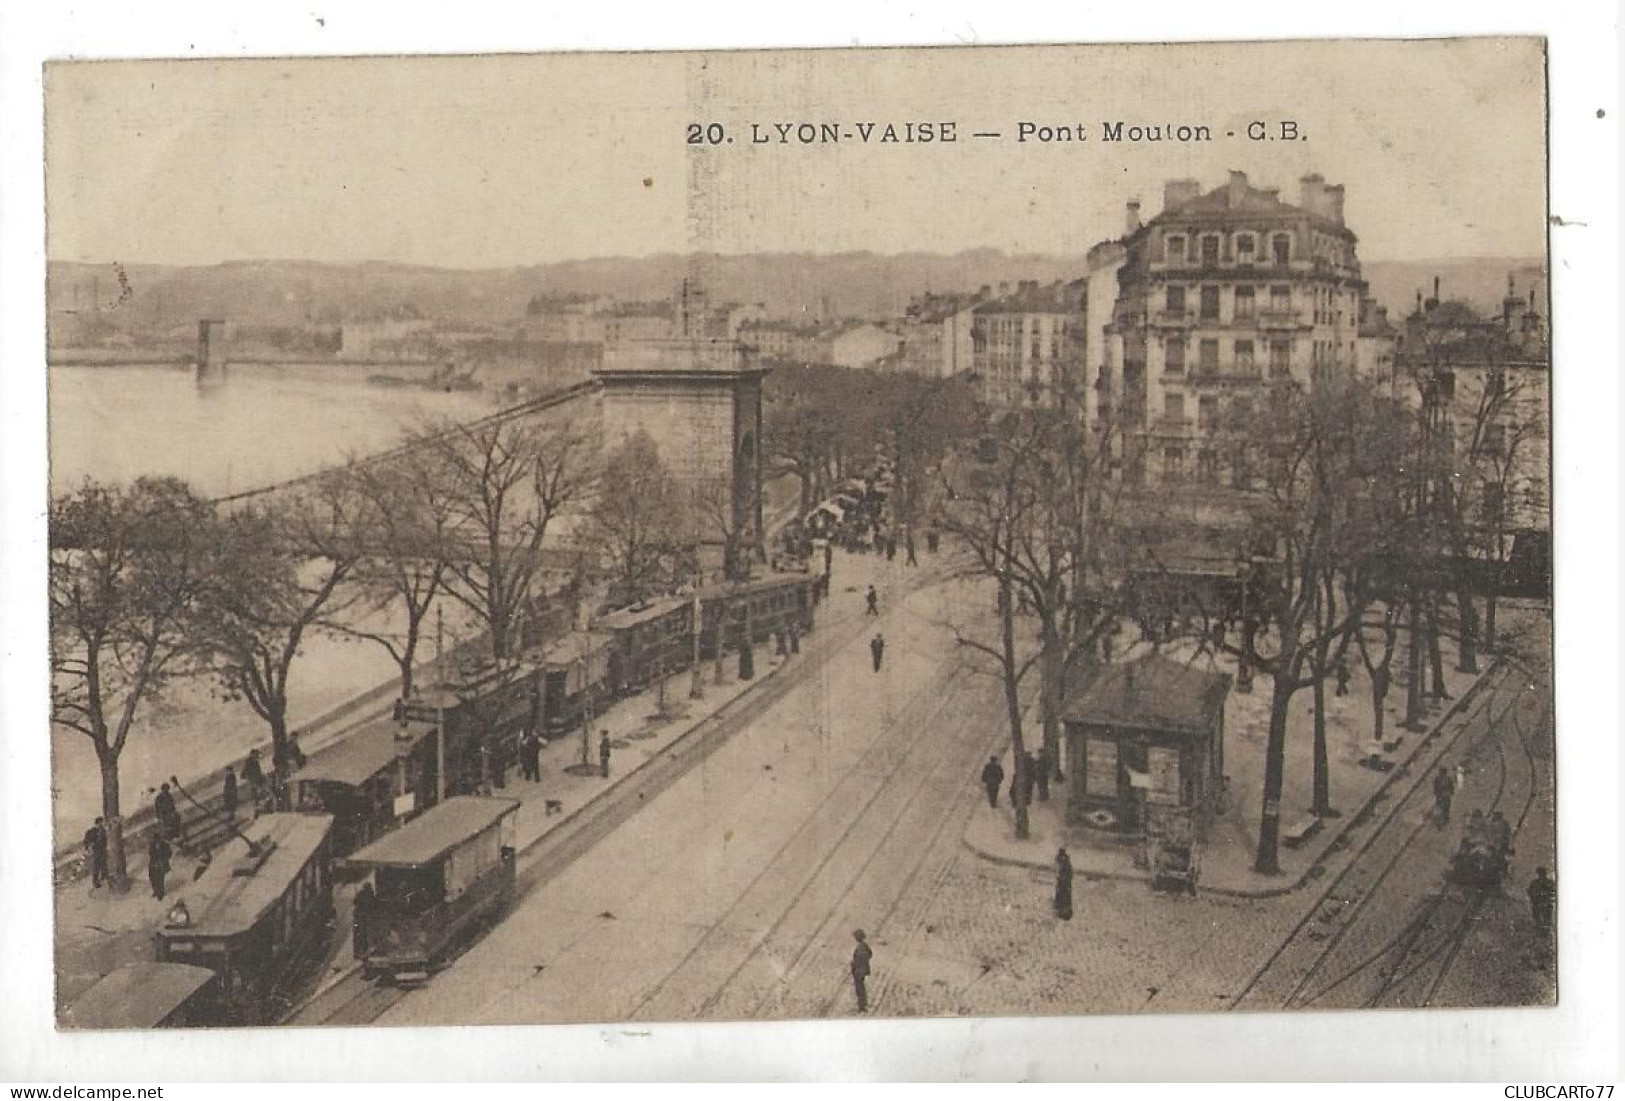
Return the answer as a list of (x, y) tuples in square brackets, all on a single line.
[(936, 335), (1028, 346), (848, 343)]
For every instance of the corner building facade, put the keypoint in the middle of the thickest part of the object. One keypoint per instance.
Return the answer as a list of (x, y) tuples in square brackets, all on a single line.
[(1219, 295)]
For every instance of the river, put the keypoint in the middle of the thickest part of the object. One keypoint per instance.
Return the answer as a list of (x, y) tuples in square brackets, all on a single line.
[(257, 427)]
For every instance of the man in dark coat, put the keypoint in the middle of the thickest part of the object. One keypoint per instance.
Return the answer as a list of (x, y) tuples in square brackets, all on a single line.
[(158, 853), (163, 808), (228, 793), (1041, 774), (254, 777), (908, 542), (871, 602), (530, 756), (992, 779), (931, 540), (1027, 774), (1542, 901), (366, 901), (603, 753), (1444, 790), (877, 650), (1063, 885), (861, 957), (96, 851)]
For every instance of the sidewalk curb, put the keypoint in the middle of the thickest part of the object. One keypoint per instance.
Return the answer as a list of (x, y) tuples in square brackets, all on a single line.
[(1402, 768)]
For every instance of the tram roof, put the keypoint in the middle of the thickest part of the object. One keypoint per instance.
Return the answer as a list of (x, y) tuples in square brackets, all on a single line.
[(358, 757), (139, 995), (572, 647), (628, 617), (436, 832), (222, 902), (755, 584)]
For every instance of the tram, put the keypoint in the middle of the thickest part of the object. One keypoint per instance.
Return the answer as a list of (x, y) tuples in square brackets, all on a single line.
[(148, 995), (257, 920), (432, 883), (574, 676), (371, 781)]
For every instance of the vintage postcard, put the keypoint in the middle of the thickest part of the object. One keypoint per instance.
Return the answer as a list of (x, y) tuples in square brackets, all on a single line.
[(668, 537)]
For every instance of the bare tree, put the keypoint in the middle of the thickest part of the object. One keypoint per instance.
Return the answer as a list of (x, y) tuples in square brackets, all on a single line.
[(127, 566), (635, 521), (507, 482), (406, 521), (287, 565)]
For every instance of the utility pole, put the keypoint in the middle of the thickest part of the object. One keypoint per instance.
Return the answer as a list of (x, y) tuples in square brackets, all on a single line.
[(440, 705), (696, 683)]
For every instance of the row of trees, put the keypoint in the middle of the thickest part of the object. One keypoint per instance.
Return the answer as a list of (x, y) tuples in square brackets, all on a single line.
[(150, 583), (1349, 524)]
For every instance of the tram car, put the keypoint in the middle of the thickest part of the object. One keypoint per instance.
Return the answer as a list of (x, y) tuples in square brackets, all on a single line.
[(371, 780), (432, 883), (482, 707), (650, 640), (767, 605), (257, 920), (148, 995), (1481, 858), (572, 679)]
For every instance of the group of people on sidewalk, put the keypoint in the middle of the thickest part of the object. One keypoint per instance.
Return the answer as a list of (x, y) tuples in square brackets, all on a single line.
[(1034, 772)]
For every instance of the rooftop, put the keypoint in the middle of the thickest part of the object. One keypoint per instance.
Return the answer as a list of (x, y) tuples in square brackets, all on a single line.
[(437, 831), (1150, 693), (139, 995), (223, 903)]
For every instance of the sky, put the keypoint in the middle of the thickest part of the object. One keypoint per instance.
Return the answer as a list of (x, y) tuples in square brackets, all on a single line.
[(507, 160)]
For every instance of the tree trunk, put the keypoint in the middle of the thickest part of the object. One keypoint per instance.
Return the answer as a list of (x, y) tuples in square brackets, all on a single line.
[(1378, 696), (722, 623), (1413, 666), (279, 753), (1053, 668), (1012, 702), (1467, 659), (1269, 822), (1323, 783), (118, 872), (1435, 654), (1491, 600)]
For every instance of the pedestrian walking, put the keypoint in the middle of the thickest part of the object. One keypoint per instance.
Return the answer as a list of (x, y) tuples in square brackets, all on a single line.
[(862, 956), (871, 601), (1041, 774), (1342, 677), (1501, 833), (781, 644), (96, 851), (931, 540), (992, 780), (877, 650), (530, 754), (1542, 901), (1027, 774), (169, 818), (1444, 790), (228, 793), (158, 853), (603, 752), (891, 548), (366, 901), (254, 777), (1063, 885)]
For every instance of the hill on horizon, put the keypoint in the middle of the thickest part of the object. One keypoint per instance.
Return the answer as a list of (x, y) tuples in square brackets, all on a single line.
[(849, 284)]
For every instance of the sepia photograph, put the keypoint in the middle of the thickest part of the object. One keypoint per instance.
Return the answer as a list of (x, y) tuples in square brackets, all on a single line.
[(682, 544), (787, 535)]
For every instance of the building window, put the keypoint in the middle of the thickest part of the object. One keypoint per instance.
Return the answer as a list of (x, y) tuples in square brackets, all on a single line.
[(1207, 412), (1280, 357), (1207, 467), (1176, 300), (1173, 463), (1246, 248), (1281, 299), (1176, 249), (1281, 246), (1173, 406), (1173, 353), (1210, 249), (1244, 302), (1210, 303), (1208, 356), (1244, 357)]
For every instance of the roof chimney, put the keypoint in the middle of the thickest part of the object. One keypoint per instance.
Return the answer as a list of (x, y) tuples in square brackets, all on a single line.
[(1004, 288), (1177, 193), (1309, 192), (1132, 222), (1334, 203), (1237, 186)]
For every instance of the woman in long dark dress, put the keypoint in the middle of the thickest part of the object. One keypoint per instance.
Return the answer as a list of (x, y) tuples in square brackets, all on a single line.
[(1063, 885)]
